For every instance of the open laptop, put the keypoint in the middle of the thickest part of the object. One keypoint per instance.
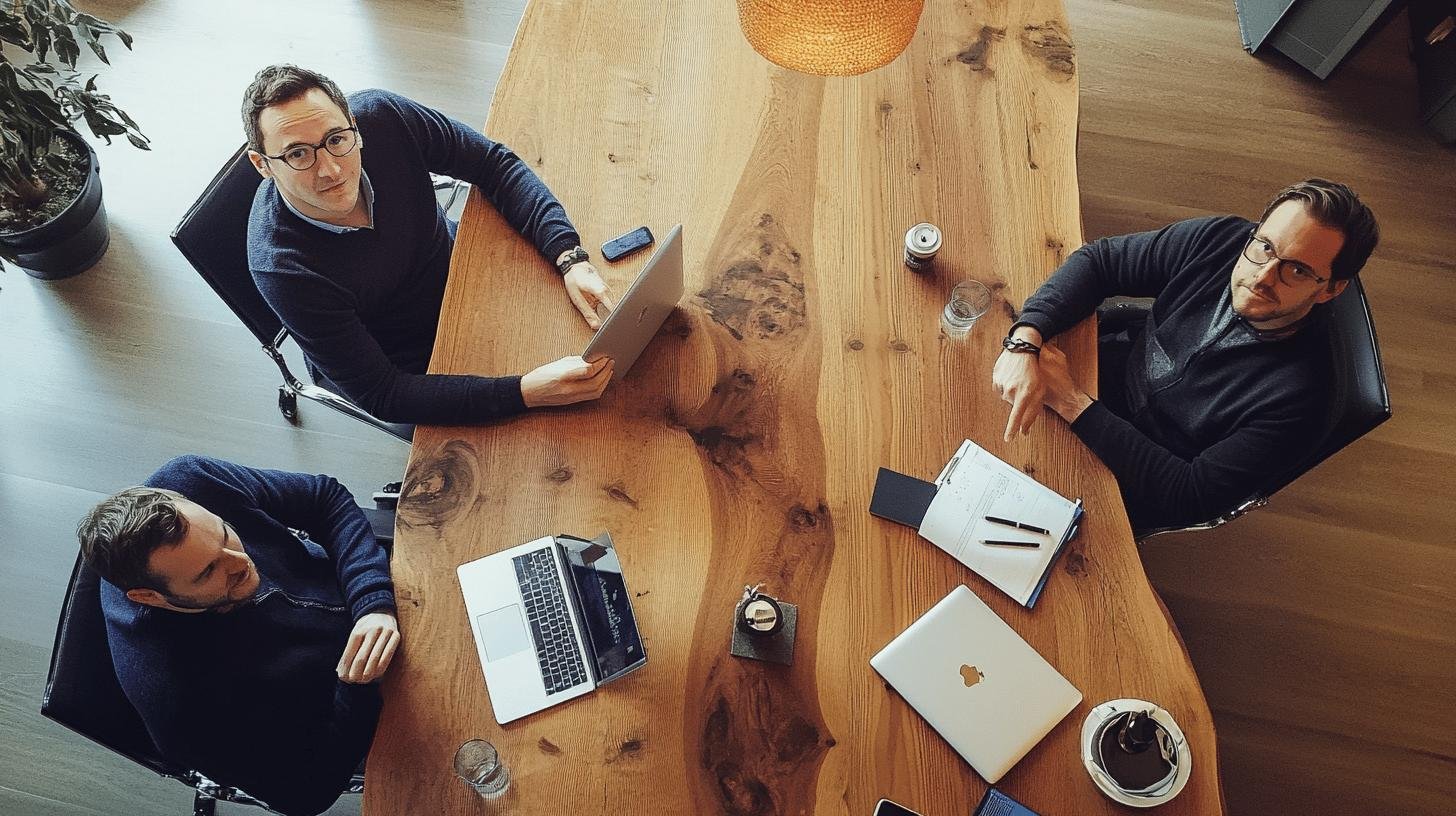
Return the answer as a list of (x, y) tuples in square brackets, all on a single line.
[(552, 620), (977, 683), (640, 313)]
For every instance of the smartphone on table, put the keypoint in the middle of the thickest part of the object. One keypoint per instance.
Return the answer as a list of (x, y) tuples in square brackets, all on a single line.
[(888, 808), (626, 244)]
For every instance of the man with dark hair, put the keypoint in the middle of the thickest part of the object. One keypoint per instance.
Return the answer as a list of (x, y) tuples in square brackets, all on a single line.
[(249, 614), (1224, 389), (352, 251)]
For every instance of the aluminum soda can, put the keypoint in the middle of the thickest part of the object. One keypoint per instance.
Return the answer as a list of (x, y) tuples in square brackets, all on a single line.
[(922, 241)]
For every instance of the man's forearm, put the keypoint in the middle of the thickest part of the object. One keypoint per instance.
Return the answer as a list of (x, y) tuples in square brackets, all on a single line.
[(1071, 406), (360, 562)]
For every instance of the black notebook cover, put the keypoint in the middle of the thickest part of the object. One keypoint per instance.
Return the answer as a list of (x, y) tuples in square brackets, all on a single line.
[(901, 498)]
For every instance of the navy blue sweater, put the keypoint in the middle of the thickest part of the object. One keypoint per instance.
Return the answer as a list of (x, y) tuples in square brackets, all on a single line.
[(1208, 412), (249, 697), (364, 305)]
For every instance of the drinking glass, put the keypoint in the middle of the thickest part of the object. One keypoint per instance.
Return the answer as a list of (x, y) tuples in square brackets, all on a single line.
[(968, 301), (479, 764)]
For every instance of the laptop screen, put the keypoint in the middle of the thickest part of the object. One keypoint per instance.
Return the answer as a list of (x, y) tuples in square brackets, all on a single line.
[(605, 605)]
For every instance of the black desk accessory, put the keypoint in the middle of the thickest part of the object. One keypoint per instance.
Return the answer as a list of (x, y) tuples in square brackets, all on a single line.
[(901, 498), (764, 628)]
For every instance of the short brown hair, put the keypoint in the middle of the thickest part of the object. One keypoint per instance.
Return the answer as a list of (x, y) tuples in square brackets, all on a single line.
[(120, 534), (277, 84), (1337, 207)]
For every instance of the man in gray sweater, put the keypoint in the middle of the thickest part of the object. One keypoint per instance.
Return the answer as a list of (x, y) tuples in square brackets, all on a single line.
[(1225, 388)]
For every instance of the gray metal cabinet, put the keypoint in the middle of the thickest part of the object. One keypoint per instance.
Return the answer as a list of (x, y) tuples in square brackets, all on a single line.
[(1317, 34)]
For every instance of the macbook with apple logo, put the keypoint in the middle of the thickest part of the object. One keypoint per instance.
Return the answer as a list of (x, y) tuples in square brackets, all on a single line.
[(980, 686)]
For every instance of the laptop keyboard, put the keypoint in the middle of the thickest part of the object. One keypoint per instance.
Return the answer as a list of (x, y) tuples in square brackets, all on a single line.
[(550, 619)]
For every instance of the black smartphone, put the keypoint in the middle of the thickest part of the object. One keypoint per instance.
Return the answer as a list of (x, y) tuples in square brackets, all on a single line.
[(888, 808), (624, 245)]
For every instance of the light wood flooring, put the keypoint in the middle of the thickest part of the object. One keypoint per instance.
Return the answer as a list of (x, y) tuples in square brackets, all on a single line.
[(1321, 627)]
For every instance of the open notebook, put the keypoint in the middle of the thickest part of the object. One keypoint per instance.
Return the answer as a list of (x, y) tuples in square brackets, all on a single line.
[(976, 484)]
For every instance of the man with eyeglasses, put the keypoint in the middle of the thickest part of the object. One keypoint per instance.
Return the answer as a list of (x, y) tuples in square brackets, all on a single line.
[(348, 245), (1225, 387)]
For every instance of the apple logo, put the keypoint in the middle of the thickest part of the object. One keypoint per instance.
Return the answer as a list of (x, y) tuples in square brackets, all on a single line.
[(971, 675)]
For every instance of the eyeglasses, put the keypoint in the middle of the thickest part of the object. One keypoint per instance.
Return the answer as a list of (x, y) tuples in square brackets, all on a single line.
[(1291, 273), (301, 157)]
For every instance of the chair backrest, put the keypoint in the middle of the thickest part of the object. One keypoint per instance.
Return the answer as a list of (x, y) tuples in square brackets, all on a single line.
[(213, 236), (82, 692), (1360, 401)]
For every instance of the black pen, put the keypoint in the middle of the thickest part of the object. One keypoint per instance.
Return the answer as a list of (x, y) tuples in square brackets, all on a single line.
[(1017, 524), (1029, 544)]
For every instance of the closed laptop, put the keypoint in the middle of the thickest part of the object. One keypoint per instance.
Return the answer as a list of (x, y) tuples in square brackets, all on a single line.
[(977, 683)]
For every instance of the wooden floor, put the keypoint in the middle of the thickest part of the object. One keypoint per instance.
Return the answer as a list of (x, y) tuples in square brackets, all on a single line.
[(1322, 627)]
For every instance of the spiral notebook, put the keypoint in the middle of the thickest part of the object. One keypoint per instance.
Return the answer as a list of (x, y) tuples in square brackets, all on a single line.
[(975, 484), (950, 513)]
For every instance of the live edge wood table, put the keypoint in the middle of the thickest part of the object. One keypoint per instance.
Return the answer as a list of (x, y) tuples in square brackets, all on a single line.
[(743, 446)]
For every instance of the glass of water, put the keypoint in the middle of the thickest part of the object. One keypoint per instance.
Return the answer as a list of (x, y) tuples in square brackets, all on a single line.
[(968, 301), (479, 764)]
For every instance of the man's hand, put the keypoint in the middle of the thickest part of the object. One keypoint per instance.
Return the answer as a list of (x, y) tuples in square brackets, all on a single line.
[(588, 292), (1062, 394), (1018, 379), (568, 380), (371, 646)]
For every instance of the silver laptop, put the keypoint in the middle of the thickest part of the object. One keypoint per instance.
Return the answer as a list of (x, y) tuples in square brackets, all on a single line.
[(977, 683), (552, 620), (640, 313)]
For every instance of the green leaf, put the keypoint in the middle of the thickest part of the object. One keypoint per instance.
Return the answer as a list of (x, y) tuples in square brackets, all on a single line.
[(39, 98), (67, 50), (42, 42), (13, 32), (101, 127)]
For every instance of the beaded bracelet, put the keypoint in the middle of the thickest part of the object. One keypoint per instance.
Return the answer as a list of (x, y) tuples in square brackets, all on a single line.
[(1019, 346)]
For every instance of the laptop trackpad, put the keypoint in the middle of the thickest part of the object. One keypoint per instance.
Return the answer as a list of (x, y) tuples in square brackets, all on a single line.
[(503, 633)]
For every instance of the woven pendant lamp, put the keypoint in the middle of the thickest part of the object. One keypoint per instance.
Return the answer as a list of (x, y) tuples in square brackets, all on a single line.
[(829, 37)]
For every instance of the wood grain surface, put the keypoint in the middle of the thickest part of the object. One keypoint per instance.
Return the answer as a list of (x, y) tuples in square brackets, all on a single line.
[(742, 447)]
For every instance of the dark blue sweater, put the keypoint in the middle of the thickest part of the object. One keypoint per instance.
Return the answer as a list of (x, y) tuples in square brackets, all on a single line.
[(364, 305), (249, 697), (1208, 412)]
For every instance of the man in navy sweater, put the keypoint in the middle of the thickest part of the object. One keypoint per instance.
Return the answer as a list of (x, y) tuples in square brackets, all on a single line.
[(1226, 387), (348, 245), (249, 613)]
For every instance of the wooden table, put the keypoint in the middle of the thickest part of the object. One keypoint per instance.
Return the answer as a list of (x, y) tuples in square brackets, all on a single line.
[(743, 446)]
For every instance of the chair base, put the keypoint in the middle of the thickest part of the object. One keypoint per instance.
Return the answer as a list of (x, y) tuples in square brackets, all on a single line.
[(1252, 504)]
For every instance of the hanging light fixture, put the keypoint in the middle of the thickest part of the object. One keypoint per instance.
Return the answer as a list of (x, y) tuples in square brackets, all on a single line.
[(829, 37)]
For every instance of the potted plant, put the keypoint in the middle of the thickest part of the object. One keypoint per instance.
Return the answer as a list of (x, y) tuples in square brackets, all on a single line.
[(52, 223)]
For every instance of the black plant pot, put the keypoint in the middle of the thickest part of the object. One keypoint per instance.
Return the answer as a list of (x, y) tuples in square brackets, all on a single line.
[(73, 241)]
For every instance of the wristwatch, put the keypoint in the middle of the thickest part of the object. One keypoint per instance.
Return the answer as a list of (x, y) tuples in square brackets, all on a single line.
[(575, 256), (1019, 346)]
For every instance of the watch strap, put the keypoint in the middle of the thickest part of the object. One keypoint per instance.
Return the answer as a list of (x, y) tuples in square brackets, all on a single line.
[(575, 256), (1018, 346)]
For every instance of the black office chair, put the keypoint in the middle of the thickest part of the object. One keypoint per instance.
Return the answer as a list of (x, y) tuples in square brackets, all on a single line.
[(1359, 399), (213, 236), (83, 694)]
